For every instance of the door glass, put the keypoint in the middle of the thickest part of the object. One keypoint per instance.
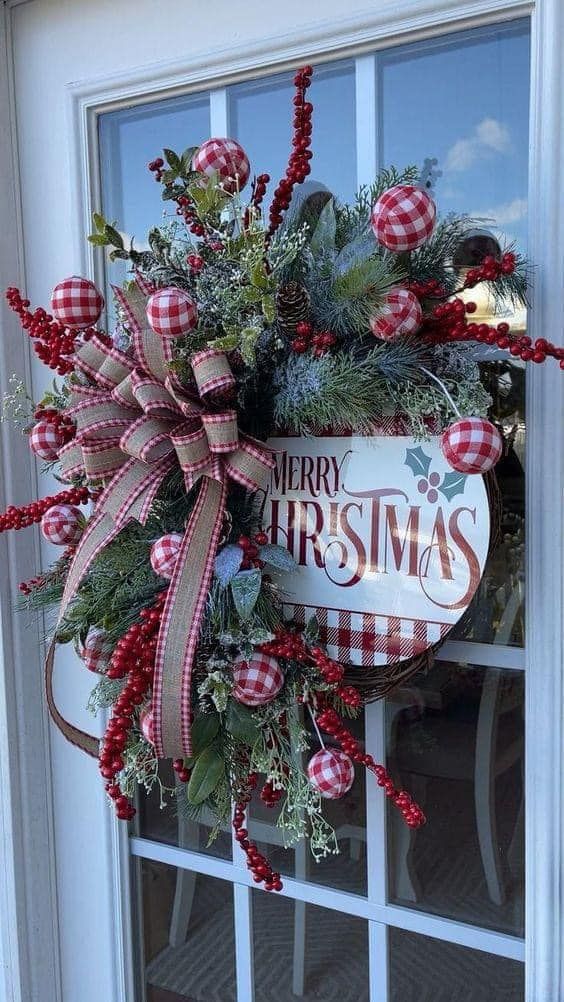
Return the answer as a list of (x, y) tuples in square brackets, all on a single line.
[(472, 114), (260, 119), (456, 742), (424, 969), (309, 952), (185, 916)]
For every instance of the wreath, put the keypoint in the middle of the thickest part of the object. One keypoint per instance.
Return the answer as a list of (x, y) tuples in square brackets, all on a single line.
[(234, 324)]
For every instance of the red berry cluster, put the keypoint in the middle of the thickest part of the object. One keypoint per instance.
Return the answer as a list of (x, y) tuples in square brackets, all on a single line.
[(257, 863), (330, 722), (134, 656), (270, 795), (187, 210), (53, 343), (298, 166), (195, 262), (26, 587), (180, 769), (22, 518), (250, 548), (62, 424), (320, 342), (447, 322), (490, 270), (432, 289), (156, 168), (257, 196), (291, 645)]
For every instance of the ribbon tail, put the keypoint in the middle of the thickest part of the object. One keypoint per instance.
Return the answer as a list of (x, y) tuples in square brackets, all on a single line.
[(182, 619)]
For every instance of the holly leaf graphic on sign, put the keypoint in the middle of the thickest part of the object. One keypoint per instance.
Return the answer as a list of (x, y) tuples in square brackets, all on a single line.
[(418, 461), (453, 484)]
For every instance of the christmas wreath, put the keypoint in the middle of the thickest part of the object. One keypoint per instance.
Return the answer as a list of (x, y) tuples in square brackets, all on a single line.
[(234, 325)]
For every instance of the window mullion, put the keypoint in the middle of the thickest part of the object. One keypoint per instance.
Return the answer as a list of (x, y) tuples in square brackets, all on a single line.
[(219, 112)]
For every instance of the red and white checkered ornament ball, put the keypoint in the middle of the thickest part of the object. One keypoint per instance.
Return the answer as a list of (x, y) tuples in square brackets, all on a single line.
[(228, 159), (403, 217), (45, 440), (471, 445), (62, 524), (147, 725), (76, 302), (171, 312), (257, 680), (97, 650), (401, 314), (331, 772), (164, 554)]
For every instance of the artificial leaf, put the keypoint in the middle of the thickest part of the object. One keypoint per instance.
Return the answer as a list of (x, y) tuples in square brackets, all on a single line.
[(98, 239), (259, 278), (278, 557), (206, 774), (245, 588), (173, 160), (227, 343), (227, 563), (453, 484), (269, 309), (240, 722), (204, 730), (323, 238), (113, 236), (418, 461), (250, 295), (99, 221), (311, 632), (187, 156), (362, 247)]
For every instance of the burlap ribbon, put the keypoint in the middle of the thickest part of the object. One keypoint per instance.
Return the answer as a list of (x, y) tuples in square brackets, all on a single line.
[(134, 425)]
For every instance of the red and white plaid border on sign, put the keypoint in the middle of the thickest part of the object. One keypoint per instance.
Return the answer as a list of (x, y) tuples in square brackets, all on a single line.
[(365, 638)]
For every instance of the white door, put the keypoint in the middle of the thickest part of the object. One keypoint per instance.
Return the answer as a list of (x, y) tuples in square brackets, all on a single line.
[(159, 916)]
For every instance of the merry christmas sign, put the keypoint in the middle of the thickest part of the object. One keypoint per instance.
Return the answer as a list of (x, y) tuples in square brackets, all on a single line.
[(390, 541)]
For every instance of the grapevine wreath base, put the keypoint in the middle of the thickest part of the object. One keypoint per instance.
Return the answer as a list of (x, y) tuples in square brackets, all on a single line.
[(235, 324)]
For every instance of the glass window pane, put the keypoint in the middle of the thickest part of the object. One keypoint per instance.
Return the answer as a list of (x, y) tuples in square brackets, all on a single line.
[(424, 969), (260, 116), (345, 870), (164, 818), (185, 916), (474, 119), (306, 951), (456, 742)]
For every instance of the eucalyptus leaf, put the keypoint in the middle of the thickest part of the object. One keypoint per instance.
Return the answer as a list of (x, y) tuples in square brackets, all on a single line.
[(240, 722), (323, 237), (207, 773), (204, 730), (278, 557), (245, 588), (362, 247), (227, 563)]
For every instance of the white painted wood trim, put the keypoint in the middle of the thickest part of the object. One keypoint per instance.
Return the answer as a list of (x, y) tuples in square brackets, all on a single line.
[(29, 943), (545, 529)]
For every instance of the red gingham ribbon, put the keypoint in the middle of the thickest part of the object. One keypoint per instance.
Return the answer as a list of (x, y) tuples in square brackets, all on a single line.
[(134, 425)]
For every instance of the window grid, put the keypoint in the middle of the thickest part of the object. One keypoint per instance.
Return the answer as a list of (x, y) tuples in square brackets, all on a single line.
[(374, 908)]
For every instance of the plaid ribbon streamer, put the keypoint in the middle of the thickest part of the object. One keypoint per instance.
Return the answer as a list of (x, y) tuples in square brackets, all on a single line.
[(133, 426)]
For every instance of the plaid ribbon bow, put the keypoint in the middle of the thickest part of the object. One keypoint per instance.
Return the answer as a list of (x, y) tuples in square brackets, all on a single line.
[(134, 425)]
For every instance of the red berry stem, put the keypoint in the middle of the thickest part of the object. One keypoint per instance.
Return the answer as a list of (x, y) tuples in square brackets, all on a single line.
[(133, 656), (330, 722), (298, 165), (258, 864), (26, 515), (53, 343)]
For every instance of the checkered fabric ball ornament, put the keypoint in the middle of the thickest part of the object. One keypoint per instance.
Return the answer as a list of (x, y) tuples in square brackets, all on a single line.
[(226, 157), (401, 314), (97, 650), (331, 772), (45, 440), (171, 312), (76, 302), (147, 725), (62, 524), (257, 680), (471, 445), (164, 554), (403, 217)]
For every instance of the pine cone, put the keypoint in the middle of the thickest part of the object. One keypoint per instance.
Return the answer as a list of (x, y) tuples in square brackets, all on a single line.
[(292, 306)]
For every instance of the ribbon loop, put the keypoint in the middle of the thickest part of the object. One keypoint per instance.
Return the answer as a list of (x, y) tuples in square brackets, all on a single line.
[(212, 372)]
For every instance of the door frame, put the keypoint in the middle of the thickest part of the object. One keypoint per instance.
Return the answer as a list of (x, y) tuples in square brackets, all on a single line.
[(24, 839)]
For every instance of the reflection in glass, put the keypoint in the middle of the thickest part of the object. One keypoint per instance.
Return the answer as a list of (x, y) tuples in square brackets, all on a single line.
[(473, 116), (261, 120), (164, 817), (347, 816), (424, 969), (455, 741), (185, 917), (306, 951)]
